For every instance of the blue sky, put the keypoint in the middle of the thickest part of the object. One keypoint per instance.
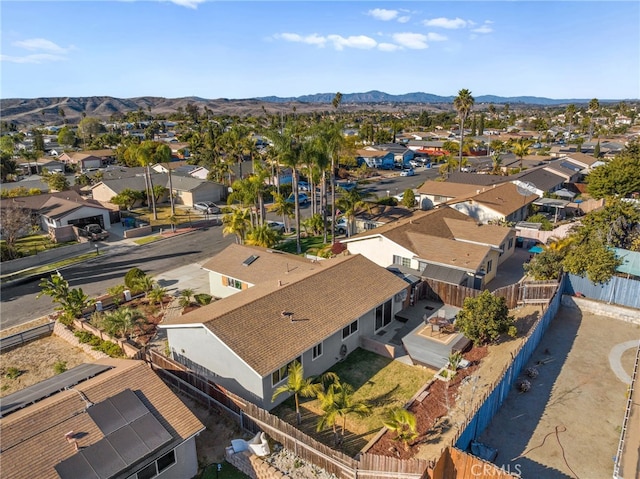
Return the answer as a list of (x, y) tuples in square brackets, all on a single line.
[(239, 49)]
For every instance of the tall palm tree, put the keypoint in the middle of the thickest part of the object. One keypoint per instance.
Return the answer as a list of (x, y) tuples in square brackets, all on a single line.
[(463, 104), (298, 386), (350, 203), (403, 423), (345, 405), (144, 154), (163, 155), (157, 294), (237, 222), (122, 321), (521, 148), (282, 207)]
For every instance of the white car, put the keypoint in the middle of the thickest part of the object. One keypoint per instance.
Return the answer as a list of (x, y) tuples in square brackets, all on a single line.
[(276, 226), (408, 172), (208, 207)]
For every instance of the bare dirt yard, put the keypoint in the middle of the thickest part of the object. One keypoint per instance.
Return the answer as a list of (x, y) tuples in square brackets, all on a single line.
[(35, 361), (568, 424)]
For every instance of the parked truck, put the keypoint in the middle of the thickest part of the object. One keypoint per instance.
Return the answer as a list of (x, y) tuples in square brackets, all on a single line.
[(95, 232)]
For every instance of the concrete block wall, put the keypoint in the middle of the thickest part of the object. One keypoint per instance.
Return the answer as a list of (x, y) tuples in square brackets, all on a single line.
[(602, 309), (252, 465), (63, 332)]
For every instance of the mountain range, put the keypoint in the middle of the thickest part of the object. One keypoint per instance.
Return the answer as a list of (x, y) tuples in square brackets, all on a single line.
[(47, 111)]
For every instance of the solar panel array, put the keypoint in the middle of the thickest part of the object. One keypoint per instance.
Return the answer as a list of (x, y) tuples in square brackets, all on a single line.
[(131, 434), (44, 389)]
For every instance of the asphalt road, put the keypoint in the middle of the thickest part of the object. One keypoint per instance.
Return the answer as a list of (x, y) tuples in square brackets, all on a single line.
[(18, 303)]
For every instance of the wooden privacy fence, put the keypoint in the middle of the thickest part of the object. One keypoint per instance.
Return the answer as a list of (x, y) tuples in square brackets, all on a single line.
[(528, 292), (23, 337), (254, 419), (456, 464)]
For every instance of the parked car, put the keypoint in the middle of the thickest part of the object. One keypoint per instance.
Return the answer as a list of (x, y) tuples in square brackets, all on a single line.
[(95, 232), (303, 199), (408, 172), (347, 185), (416, 163), (341, 226), (276, 226), (208, 207), (303, 186)]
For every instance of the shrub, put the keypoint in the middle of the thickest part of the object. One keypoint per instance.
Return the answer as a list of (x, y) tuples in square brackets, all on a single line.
[(524, 385), (387, 201), (532, 373), (109, 348), (60, 367), (203, 299), (12, 372), (132, 277), (485, 318), (83, 336)]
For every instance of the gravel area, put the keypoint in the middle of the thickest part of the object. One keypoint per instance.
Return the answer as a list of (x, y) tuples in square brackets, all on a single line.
[(295, 468)]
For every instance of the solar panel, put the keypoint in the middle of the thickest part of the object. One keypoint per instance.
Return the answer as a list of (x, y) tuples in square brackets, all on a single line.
[(131, 431), (44, 389)]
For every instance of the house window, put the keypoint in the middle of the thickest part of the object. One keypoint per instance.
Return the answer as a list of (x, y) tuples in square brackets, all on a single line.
[(369, 226), (317, 351), (439, 198), (349, 330), (402, 261), (148, 472), (234, 283), (383, 315), (489, 265), (166, 461), (283, 373), (510, 243), (421, 266)]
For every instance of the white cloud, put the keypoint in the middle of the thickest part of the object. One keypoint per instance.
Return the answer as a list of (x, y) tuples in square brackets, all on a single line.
[(35, 58), (415, 41), (436, 37), (313, 39), (388, 47), (404, 19), (35, 44), (354, 41), (483, 29), (383, 14), (188, 3), (442, 22)]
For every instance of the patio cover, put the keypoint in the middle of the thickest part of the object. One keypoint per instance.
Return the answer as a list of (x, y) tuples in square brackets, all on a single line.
[(444, 274), (551, 202), (630, 261)]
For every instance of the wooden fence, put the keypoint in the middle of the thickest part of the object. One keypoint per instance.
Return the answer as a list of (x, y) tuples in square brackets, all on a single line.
[(23, 337), (456, 464), (254, 419), (446, 293)]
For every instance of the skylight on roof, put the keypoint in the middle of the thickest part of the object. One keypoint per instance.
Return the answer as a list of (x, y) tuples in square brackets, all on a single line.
[(250, 260)]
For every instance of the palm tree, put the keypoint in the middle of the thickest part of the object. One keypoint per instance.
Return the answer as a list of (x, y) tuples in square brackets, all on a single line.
[(403, 423), (122, 321), (298, 386), (163, 155), (157, 294), (281, 206), (145, 284), (332, 142), (343, 405), (463, 104), (185, 297), (262, 235), (521, 148), (350, 203), (237, 222)]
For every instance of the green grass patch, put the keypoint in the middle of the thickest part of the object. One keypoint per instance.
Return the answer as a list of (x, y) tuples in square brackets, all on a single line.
[(34, 244), (309, 244), (182, 216), (147, 239), (381, 382)]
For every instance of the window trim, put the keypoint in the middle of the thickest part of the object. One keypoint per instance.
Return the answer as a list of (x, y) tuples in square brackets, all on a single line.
[(314, 351), (283, 372), (351, 329)]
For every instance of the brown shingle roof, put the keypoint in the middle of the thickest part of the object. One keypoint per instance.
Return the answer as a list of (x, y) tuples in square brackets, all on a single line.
[(477, 233), (323, 300), (504, 199), (33, 439), (448, 252), (448, 189), (582, 158), (270, 265)]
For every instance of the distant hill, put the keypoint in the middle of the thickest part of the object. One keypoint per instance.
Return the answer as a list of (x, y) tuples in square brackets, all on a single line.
[(38, 111)]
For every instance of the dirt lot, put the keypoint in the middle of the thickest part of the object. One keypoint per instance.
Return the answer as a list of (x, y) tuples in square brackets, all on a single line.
[(568, 424), (35, 361)]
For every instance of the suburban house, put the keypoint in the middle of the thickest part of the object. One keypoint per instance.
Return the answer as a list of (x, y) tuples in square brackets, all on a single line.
[(109, 419), (587, 162), (312, 313), (90, 159), (506, 202), (401, 153), (570, 171), (540, 181), (433, 193), (376, 158), (186, 189), (58, 212), (440, 244)]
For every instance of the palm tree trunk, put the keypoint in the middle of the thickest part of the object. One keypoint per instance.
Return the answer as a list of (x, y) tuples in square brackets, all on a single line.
[(153, 196), (173, 206), (297, 209), (323, 205), (298, 416), (333, 199), (461, 142)]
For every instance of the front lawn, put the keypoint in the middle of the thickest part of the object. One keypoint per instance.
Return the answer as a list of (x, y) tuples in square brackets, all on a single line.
[(309, 244), (34, 244), (382, 383)]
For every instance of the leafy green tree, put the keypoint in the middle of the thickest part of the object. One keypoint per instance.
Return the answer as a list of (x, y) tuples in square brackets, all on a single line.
[(545, 266), (7, 145), (237, 222), (186, 297), (163, 155), (122, 321), (8, 167), (127, 198), (314, 224), (403, 423), (619, 177), (66, 137), (158, 192), (351, 202), (71, 302), (592, 258), (409, 198), (463, 104), (55, 181), (297, 385), (484, 318), (282, 207), (132, 277), (89, 127)]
